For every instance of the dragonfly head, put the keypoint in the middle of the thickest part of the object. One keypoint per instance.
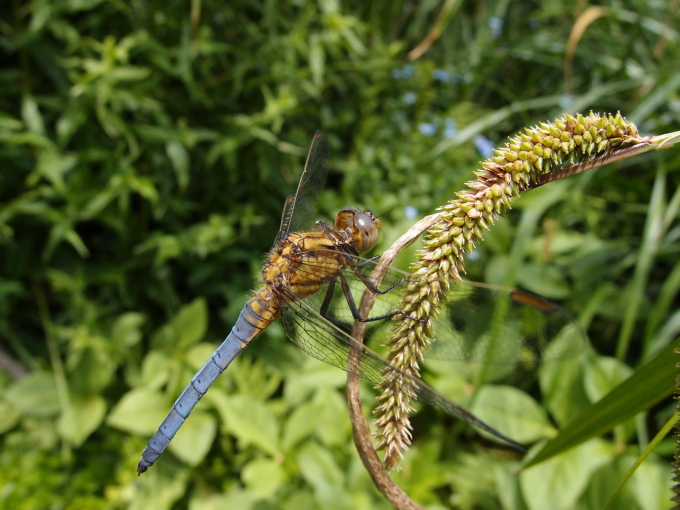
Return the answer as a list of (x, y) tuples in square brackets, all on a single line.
[(364, 227)]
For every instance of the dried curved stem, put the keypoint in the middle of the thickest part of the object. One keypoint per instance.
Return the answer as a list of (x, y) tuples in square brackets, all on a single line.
[(360, 429)]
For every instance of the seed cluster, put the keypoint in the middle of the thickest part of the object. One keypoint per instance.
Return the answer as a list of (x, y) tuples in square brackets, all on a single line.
[(514, 168)]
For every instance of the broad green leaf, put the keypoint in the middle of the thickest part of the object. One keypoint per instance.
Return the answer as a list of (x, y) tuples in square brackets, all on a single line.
[(334, 426), (249, 420), (300, 424), (140, 411), (319, 468), (9, 416), (161, 487), (31, 115), (562, 389), (157, 367), (559, 482), (34, 395), (179, 157), (81, 418), (194, 439), (604, 481), (603, 375), (190, 323), (513, 412), (649, 384), (651, 485), (185, 329), (263, 477), (90, 364), (314, 374), (237, 497), (126, 330)]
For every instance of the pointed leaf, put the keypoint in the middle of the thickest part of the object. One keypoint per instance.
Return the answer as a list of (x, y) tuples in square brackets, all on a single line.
[(513, 411), (194, 439), (650, 383), (83, 417), (34, 395), (140, 411)]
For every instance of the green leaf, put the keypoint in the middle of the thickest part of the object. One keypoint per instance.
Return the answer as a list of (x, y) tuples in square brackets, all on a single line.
[(190, 323), (35, 395), (263, 477), (179, 157), (32, 116), (194, 438), (161, 487), (649, 384), (562, 389), (561, 480), (249, 420), (513, 411), (319, 468), (186, 328), (126, 330), (334, 426), (651, 484), (9, 416), (603, 375), (81, 418), (140, 411), (300, 424)]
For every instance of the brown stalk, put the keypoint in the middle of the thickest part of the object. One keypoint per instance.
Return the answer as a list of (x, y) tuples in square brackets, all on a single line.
[(360, 429)]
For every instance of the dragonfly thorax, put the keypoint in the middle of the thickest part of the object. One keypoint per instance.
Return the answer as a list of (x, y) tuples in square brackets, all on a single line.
[(363, 226)]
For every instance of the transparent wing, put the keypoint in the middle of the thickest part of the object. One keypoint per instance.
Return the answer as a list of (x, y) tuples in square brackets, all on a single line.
[(299, 211), (326, 342), (480, 322)]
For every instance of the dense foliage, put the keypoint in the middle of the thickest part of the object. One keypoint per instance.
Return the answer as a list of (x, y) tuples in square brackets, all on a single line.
[(147, 148)]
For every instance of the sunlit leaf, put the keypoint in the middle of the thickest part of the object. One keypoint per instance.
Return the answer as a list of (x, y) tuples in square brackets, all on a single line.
[(81, 418), (34, 395), (194, 439), (263, 477)]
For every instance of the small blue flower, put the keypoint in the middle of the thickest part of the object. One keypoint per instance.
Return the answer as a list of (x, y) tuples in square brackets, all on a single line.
[(450, 128), (567, 102), (407, 71), (427, 128), (484, 146), (410, 212), (496, 25), (404, 72), (441, 75), (409, 98)]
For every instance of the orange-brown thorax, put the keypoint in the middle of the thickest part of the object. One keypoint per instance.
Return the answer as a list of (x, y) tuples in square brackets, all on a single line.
[(303, 261)]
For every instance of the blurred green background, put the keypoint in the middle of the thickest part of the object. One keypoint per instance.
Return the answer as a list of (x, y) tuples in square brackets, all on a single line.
[(146, 150)]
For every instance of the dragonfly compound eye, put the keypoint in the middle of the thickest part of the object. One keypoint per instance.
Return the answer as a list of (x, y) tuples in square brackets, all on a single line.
[(366, 229)]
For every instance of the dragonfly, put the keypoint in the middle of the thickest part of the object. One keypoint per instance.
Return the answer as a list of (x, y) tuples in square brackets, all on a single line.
[(310, 277)]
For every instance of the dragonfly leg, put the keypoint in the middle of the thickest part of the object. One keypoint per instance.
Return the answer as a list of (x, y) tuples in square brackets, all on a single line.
[(323, 310), (353, 307), (367, 281), (368, 261), (327, 301)]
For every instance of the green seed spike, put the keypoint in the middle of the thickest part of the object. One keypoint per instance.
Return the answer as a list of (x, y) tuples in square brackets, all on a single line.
[(526, 159)]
